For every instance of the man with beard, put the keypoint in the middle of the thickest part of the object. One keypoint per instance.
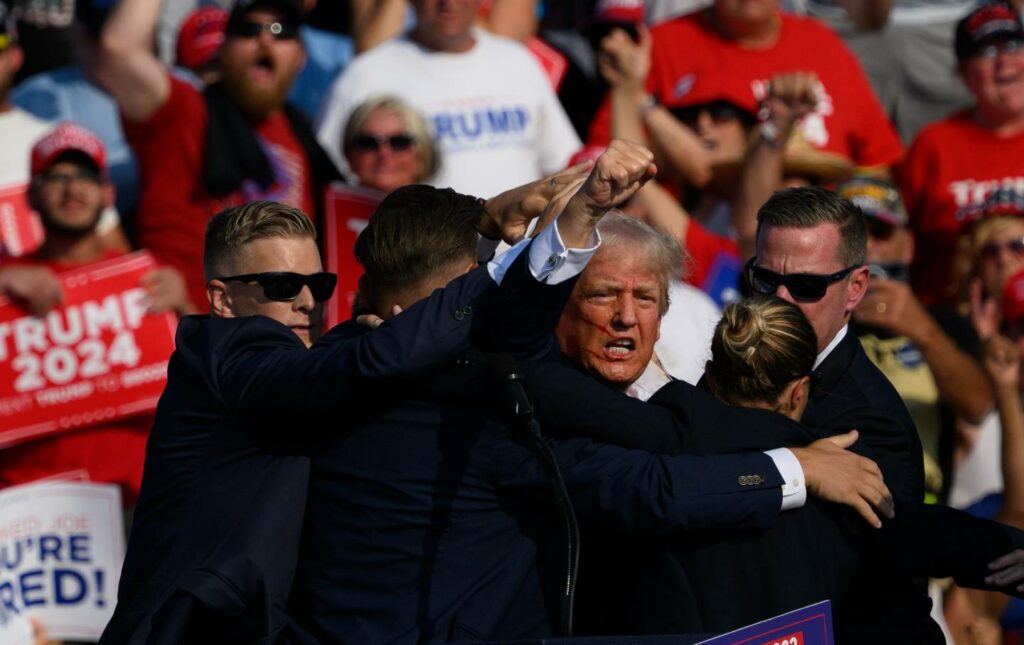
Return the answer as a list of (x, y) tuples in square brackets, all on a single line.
[(236, 141), (70, 189)]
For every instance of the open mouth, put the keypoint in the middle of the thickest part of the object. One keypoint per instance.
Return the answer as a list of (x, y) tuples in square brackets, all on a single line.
[(263, 69), (619, 348)]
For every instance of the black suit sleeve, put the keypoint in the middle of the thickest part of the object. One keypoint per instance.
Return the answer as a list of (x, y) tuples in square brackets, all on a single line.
[(679, 418), (635, 491), (942, 542), (258, 369)]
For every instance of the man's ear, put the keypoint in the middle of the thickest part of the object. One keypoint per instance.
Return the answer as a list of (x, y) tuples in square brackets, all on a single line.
[(220, 299), (857, 287)]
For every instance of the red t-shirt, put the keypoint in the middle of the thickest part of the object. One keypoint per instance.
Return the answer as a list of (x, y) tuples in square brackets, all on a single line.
[(174, 205), (692, 64), (112, 453), (705, 249), (952, 168)]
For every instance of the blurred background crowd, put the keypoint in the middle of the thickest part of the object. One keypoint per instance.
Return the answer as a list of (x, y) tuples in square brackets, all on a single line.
[(127, 124)]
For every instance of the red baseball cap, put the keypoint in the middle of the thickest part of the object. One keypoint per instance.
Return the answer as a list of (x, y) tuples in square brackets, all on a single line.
[(200, 37), (1013, 298), (67, 137), (626, 11)]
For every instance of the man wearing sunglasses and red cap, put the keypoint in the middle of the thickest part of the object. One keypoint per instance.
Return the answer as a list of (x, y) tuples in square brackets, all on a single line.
[(236, 141)]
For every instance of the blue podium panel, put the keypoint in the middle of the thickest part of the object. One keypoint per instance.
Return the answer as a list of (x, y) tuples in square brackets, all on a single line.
[(811, 625)]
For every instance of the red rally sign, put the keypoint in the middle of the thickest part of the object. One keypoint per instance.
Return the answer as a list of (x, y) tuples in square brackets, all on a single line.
[(98, 358), (347, 211), (21, 231)]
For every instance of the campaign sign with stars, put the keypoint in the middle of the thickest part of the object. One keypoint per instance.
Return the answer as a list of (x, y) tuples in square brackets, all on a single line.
[(61, 547)]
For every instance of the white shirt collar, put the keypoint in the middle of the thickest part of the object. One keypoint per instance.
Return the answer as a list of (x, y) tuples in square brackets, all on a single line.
[(828, 348)]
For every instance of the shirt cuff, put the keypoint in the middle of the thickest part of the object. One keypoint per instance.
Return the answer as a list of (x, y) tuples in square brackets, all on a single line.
[(550, 262), (794, 489)]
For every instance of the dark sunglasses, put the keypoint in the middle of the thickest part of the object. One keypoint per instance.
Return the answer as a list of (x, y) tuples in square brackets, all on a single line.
[(879, 230), (991, 250), (372, 143), (286, 286), (889, 271), (247, 29), (719, 111), (804, 287)]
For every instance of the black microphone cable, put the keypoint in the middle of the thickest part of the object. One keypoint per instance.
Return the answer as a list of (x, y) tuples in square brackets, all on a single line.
[(504, 368)]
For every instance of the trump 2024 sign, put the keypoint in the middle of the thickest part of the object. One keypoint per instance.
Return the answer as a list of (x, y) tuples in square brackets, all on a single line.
[(99, 357)]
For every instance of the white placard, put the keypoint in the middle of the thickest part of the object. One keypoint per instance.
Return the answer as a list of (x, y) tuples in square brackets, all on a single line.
[(61, 549)]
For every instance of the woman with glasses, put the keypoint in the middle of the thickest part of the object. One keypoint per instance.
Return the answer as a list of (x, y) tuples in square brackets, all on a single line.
[(388, 145)]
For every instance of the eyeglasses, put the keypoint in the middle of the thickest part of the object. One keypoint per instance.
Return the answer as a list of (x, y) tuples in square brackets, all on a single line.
[(718, 111), (248, 29), (878, 229), (804, 287), (889, 271), (989, 52), (373, 143), (285, 286), (65, 179), (991, 250)]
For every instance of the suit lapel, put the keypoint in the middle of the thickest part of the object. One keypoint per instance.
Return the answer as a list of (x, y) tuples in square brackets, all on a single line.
[(831, 371)]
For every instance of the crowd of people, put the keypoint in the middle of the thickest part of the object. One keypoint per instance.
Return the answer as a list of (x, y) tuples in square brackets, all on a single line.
[(759, 265)]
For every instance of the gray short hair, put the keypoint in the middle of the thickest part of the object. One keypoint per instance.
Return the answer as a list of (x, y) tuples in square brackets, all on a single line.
[(665, 256)]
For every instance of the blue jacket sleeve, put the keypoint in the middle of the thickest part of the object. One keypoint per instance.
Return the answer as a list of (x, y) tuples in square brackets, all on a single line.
[(635, 491), (261, 366)]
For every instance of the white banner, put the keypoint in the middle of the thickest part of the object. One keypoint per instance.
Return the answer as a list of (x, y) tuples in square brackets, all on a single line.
[(61, 549)]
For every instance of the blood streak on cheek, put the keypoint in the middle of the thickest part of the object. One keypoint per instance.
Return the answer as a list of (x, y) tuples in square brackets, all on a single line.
[(594, 354), (602, 328)]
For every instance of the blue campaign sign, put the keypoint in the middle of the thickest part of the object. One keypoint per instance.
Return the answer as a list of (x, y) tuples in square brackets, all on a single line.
[(811, 625)]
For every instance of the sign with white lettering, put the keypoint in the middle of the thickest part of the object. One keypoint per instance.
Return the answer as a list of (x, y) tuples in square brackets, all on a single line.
[(347, 211), (61, 548), (811, 625), (98, 358), (21, 230)]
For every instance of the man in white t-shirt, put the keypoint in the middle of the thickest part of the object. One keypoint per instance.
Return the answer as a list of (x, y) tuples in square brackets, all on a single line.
[(495, 117)]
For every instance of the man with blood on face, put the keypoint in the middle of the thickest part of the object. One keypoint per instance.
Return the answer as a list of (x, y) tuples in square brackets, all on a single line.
[(613, 318), (234, 142)]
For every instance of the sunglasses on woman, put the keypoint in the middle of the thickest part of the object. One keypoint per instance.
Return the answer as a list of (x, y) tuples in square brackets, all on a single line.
[(285, 286), (804, 287), (373, 143)]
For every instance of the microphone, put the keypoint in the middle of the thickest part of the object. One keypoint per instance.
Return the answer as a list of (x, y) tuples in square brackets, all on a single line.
[(505, 369)]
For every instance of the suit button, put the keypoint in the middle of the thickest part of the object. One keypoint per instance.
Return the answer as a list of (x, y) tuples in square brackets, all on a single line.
[(459, 315), (467, 310)]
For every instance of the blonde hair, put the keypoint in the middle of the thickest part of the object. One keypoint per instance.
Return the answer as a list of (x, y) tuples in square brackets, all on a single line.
[(968, 252), (759, 347), (426, 147), (233, 228)]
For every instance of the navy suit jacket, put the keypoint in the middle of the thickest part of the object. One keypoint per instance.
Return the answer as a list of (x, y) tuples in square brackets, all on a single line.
[(431, 520), (720, 580), (215, 536)]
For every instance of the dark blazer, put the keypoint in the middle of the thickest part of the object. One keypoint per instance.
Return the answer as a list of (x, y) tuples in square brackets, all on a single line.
[(431, 520), (216, 531), (720, 580), (848, 391)]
